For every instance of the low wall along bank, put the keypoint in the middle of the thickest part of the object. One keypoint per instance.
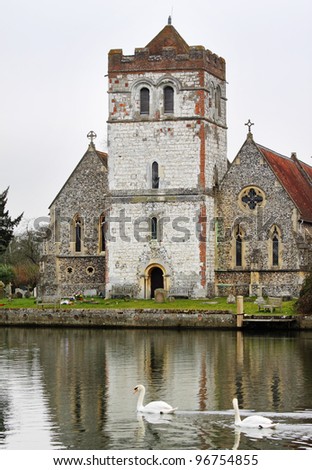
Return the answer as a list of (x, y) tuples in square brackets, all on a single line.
[(134, 318), (131, 318)]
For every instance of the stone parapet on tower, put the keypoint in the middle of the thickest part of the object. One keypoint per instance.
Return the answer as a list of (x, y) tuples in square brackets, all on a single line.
[(167, 51)]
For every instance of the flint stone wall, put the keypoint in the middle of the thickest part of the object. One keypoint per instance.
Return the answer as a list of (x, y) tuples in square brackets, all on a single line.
[(147, 318)]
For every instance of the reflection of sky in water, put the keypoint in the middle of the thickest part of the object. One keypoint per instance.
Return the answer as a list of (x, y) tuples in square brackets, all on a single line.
[(27, 414), (73, 389)]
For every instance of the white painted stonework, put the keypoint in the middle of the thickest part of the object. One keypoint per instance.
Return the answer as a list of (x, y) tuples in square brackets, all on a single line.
[(189, 147)]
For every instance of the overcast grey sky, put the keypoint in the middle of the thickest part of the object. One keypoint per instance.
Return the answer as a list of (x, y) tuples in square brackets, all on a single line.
[(54, 90)]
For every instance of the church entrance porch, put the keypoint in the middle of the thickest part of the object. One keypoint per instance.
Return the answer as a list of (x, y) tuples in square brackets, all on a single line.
[(155, 278)]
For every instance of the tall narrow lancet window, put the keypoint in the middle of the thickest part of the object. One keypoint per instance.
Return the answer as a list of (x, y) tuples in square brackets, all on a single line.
[(238, 247), (212, 96), (144, 101), (78, 233), (275, 247), (102, 235), (168, 100), (155, 176), (218, 100), (239, 250), (154, 228)]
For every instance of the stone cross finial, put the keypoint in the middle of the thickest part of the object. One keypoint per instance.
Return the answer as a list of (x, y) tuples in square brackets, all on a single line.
[(249, 124), (169, 19), (92, 135)]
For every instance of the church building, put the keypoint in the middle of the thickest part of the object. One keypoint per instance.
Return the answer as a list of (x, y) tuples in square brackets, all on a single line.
[(164, 208)]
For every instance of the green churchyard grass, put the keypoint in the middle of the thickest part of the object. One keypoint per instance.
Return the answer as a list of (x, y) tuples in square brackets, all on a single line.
[(213, 304)]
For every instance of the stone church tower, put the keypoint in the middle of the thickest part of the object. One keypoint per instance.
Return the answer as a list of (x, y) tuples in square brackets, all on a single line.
[(167, 139)]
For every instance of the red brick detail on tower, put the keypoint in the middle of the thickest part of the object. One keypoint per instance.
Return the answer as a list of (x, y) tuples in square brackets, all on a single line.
[(202, 157), (202, 225), (200, 107)]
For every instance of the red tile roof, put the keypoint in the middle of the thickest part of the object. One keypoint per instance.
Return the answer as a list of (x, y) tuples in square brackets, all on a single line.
[(295, 176), (308, 170), (103, 156), (168, 37)]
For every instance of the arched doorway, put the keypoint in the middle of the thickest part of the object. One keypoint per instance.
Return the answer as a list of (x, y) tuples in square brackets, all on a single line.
[(154, 276), (157, 280)]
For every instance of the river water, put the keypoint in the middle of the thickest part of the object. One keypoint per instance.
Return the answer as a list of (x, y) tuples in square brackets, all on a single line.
[(73, 388)]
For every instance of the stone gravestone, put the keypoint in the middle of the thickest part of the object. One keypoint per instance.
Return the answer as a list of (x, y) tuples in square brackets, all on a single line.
[(90, 293), (259, 300), (160, 296)]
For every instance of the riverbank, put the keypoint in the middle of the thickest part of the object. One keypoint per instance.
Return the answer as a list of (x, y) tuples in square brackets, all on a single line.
[(117, 318), (143, 318)]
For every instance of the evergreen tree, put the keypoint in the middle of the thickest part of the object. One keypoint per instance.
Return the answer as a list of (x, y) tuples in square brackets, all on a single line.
[(7, 225)]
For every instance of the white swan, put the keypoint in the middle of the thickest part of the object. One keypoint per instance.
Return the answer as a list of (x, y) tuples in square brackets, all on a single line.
[(254, 421), (160, 407)]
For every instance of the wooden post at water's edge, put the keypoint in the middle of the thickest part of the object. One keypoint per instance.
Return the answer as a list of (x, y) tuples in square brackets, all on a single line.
[(239, 311)]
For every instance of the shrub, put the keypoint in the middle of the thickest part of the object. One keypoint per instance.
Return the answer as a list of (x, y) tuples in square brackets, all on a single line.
[(6, 273), (304, 303)]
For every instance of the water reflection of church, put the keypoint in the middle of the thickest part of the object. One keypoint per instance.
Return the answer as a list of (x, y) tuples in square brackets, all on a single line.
[(89, 375)]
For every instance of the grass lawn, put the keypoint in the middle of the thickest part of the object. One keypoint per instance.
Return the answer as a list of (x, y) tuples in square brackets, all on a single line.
[(218, 303)]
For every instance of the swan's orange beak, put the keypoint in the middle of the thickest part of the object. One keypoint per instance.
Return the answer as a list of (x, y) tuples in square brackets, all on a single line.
[(135, 390)]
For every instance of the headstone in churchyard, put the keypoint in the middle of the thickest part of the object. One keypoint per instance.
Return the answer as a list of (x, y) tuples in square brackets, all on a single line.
[(160, 296), (90, 293)]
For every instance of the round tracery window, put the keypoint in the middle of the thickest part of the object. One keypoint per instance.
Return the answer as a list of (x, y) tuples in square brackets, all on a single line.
[(251, 198)]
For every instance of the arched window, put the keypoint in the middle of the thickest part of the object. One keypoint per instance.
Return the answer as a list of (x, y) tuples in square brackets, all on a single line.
[(168, 100), (212, 95), (275, 246), (218, 100), (155, 176), (78, 233), (154, 228), (102, 230), (275, 243), (144, 101), (239, 248)]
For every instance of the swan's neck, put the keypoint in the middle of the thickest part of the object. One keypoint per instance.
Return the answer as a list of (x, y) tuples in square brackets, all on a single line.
[(140, 399), (236, 411)]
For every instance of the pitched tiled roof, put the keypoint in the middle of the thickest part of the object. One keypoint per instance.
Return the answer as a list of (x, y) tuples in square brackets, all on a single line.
[(308, 170), (102, 156), (168, 37), (295, 176)]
